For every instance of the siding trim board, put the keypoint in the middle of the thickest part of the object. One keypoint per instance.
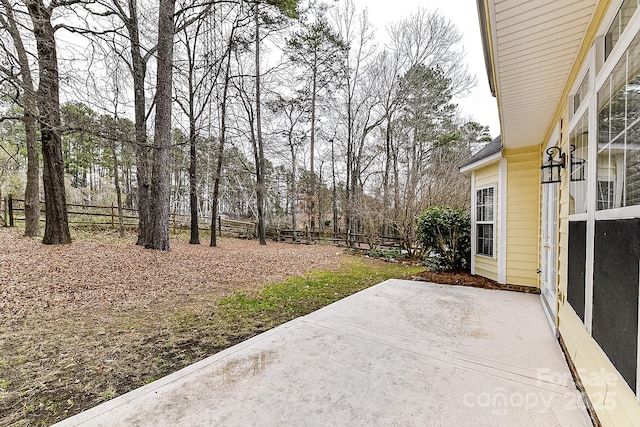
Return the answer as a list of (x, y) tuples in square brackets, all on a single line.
[(502, 221)]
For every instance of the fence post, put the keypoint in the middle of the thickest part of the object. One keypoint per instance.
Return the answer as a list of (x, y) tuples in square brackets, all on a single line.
[(113, 224), (220, 225), (10, 210), (4, 212)]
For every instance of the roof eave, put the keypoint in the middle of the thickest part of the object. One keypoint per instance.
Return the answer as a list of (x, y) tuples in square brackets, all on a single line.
[(486, 47)]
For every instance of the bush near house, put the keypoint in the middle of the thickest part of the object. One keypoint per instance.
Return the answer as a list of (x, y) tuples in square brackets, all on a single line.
[(445, 235)]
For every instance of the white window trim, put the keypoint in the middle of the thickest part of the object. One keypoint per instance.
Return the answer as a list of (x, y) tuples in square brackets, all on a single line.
[(473, 222), (501, 249), (493, 222)]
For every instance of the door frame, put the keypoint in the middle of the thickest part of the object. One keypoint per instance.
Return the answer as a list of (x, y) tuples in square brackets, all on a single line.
[(549, 241)]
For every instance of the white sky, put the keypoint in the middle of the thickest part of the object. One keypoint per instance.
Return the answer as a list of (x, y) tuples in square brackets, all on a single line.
[(480, 105)]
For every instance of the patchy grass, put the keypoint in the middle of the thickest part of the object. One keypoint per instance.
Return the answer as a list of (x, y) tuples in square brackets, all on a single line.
[(280, 302), (53, 366)]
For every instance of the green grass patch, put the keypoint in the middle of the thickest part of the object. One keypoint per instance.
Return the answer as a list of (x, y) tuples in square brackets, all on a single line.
[(241, 315)]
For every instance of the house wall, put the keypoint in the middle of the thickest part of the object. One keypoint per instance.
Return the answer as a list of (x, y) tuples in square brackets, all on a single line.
[(614, 402), (523, 216), (485, 177), (612, 399)]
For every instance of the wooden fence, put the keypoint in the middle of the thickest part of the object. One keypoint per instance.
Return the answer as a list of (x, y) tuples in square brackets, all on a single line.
[(92, 215), (353, 240)]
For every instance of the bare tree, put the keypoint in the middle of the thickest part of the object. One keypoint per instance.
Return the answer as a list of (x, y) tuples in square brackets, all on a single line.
[(320, 51), (430, 39), (160, 182), (231, 46), (28, 101), (356, 31), (294, 115), (57, 224)]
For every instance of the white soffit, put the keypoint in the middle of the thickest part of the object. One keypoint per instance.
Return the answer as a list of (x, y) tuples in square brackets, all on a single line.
[(535, 45)]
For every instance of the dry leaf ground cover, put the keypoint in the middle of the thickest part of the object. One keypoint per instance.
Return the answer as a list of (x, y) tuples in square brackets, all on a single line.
[(83, 323)]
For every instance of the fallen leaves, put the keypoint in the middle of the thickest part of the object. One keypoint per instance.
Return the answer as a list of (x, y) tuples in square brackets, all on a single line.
[(87, 275), (82, 323)]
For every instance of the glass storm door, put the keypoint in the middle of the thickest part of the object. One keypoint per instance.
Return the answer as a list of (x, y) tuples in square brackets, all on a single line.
[(548, 273)]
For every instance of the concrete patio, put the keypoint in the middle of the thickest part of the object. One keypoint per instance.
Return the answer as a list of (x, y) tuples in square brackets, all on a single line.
[(399, 353)]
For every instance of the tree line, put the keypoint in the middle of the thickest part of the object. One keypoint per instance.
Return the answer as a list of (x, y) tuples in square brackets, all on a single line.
[(286, 111)]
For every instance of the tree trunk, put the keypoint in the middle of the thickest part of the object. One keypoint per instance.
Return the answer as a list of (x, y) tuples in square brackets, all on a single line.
[(160, 178), (32, 191), (116, 183), (139, 69), (223, 135), (385, 178), (193, 196), (260, 165), (334, 190), (312, 140), (57, 224), (294, 189)]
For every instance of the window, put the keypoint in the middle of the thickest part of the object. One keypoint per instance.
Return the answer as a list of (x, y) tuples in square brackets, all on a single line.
[(579, 138), (618, 25), (619, 133), (581, 93), (484, 221)]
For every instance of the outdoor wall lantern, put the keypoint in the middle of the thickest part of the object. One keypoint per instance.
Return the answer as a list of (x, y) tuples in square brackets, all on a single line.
[(556, 161), (577, 166)]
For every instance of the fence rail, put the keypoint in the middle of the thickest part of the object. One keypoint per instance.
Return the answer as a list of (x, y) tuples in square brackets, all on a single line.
[(340, 238), (85, 215)]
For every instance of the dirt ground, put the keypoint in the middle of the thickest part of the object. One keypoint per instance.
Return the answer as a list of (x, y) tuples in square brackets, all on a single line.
[(83, 323), (466, 279), (121, 302), (36, 279)]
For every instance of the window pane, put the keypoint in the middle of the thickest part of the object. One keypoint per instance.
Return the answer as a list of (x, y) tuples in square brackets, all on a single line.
[(484, 240), (618, 169), (632, 167), (579, 138), (581, 93), (618, 25)]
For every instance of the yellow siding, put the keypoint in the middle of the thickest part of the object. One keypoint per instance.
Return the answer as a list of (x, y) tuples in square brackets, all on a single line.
[(486, 266), (610, 396), (523, 215), (487, 176)]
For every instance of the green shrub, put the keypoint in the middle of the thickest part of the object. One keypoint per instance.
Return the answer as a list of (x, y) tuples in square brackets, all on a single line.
[(445, 235)]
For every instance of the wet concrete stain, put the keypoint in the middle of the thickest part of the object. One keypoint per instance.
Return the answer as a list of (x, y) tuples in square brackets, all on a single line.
[(235, 370)]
